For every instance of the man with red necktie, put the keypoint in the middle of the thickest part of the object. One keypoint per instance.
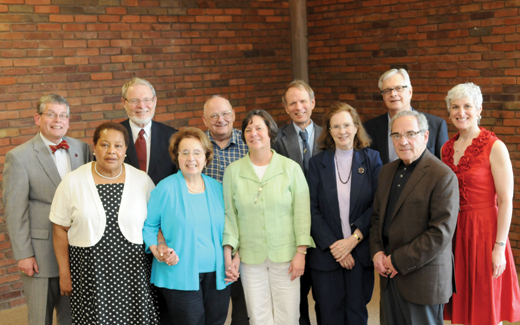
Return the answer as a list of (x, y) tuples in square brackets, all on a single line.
[(148, 147), (32, 172)]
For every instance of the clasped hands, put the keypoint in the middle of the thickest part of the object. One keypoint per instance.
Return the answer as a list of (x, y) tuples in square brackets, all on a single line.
[(383, 265), (342, 249), (165, 254)]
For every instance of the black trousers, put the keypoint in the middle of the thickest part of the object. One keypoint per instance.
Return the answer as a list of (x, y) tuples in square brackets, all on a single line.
[(305, 288), (238, 303), (207, 306), (344, 294)]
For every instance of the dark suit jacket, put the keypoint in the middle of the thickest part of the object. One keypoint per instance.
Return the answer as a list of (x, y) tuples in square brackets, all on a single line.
[(288, 143), (421, 230), (326, 221), (377, 129), (161, 165), (29, 182)]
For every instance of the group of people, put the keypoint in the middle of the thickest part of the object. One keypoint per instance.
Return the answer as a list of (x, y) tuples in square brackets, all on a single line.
[(164, 226)]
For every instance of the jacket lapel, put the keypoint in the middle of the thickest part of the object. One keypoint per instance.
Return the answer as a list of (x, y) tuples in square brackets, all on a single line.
[(317, 132), (384, 185), (75, 155), (131, 154), (382, 138), (44, 157), (328, 174), (155, 145), (292, 144), (417, 174), (359, 172)]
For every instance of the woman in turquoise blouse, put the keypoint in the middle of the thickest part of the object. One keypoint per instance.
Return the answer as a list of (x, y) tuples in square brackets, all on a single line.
[(267, 224), (188, 207)]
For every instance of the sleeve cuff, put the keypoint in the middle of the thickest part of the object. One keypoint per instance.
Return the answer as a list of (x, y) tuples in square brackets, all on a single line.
[(305, 240), (233, 242)]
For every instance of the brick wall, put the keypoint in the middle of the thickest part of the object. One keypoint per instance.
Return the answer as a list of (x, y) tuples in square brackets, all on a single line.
[(86, 49), (440, 43)]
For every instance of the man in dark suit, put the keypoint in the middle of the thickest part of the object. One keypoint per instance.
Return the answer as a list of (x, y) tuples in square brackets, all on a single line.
[(298, 141), (396, 89), (32, 172), (148, 148), (413, 222)]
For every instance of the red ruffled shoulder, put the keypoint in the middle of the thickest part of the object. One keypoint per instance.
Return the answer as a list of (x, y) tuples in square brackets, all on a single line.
[(466, 161)]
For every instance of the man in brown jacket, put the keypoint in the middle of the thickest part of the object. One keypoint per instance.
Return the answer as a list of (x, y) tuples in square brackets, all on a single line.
[(414, 219)]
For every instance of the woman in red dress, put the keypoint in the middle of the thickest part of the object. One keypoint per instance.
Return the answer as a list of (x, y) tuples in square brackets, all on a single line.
[(485, 274)]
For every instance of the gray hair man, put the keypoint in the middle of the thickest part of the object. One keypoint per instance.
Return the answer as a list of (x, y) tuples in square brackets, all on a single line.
[(149, 140), (397, 91), (413, 222)]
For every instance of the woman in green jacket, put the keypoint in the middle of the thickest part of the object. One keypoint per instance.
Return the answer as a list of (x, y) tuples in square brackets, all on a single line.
[(267, 224)]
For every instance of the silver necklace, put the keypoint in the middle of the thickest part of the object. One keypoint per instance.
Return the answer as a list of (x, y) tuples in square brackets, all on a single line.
[(337, 168), (100, 175)]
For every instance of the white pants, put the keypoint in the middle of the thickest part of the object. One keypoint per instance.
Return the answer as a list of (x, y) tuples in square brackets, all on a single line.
[(271, 297)]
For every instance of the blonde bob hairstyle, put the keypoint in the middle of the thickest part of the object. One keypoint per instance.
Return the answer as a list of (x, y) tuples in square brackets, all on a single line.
[(326, 142), (193, 133)]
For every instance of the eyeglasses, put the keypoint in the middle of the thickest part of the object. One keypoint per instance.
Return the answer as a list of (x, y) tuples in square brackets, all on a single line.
[(410, 135), (225, 115), (135, 102), (339, 127), (389, 90), (195, 153), (53, 115)]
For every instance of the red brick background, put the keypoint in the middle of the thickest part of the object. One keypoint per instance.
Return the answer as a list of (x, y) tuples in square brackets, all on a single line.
[(86, 49), (440, 43)]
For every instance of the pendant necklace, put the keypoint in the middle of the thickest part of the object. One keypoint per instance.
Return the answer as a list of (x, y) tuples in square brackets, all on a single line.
[(337, 168)]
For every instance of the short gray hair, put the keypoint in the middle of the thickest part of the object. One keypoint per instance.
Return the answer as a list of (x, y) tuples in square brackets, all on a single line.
[(390, 73), (136, 81), (421, 119), (467, 90), (216, 96), (51, 98)]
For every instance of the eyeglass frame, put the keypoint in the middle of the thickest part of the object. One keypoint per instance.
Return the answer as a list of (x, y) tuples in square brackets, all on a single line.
[(135, 102), (215, 116), (187, 153), (53, 115), (398, 89), (339, 127), (410, 135)]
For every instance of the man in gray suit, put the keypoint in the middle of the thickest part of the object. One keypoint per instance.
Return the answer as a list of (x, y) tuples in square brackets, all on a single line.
[(413, 222), (298, 141), (32, 172)]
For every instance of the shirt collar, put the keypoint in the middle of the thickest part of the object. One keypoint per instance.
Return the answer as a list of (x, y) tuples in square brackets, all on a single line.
[(411, 167), (309, 128), (49, 142), (233, 139), (135, 128)]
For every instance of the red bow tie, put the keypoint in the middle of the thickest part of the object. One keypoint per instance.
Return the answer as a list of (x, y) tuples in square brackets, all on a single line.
[(63, 145)]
